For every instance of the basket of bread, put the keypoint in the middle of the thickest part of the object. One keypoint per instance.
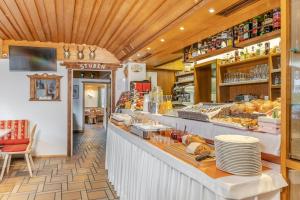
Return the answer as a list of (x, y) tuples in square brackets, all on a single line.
[(203, 111), (245, 115)]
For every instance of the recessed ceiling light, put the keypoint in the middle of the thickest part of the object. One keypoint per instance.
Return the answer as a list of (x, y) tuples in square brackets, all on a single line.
[(181, 28), (162, 39), (211, 10), (148, 48), (138, 55)]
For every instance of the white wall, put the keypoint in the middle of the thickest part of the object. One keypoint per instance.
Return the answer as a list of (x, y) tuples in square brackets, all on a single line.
[(51, 117), (91, 97)]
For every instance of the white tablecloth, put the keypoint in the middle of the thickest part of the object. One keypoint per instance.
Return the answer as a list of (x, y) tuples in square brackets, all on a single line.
[(269, 143), (141, 171)]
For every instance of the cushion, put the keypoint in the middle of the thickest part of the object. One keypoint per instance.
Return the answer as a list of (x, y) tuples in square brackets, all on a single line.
[(14, 148), (19, 129), (16, 141)]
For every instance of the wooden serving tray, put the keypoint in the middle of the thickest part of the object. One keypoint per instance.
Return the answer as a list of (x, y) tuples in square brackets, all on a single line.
[(178, 150)]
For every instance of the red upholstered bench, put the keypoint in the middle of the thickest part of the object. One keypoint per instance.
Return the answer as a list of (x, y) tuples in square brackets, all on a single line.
[(19, 132)]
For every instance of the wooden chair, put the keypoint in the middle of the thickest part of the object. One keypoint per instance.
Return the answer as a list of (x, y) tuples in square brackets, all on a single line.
[(9, 150)]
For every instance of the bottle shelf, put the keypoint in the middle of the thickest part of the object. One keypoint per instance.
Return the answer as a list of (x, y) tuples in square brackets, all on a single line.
[(245, 82), (258, 39), (185, 74), (246, 61), (276, 70), (183, 82)]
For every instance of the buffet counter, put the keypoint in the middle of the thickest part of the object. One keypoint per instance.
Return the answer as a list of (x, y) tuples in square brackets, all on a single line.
[(139, 169), (270, 144)]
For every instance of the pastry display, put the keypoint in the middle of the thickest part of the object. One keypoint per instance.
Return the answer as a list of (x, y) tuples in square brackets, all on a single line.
[(202, 111)]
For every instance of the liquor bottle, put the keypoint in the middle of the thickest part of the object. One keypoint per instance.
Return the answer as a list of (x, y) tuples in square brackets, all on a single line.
[(241, 32), (235, 35), (276, 19), (230, 38), (247, 28), (254, 31), (268, 22)]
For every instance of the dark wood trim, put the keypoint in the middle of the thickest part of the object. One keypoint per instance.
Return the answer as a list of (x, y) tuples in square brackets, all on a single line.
[(69, 118)]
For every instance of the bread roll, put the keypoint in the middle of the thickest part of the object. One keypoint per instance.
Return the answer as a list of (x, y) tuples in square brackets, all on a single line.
[(196, 148)]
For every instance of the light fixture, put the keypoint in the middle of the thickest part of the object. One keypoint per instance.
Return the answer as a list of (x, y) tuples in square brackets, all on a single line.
[(148, 48), (181, 28), (162, 39), (138, 55), (211, 10)]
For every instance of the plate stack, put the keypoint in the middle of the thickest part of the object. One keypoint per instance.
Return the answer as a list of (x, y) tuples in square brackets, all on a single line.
[(238, 154)]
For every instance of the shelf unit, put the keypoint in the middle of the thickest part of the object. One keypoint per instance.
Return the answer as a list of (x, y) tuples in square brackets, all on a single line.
[(206, 81), (258, 39), (275, 71), (184, 74), (261, 88)]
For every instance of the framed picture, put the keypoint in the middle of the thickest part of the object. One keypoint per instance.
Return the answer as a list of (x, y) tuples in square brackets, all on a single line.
[(44, 87), (75, 91)]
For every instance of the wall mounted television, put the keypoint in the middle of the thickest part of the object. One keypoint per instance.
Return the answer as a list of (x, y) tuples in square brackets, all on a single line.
[(24, 58)]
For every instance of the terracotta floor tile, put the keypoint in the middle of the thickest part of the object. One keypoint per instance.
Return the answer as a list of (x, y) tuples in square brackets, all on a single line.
[(28, 188), (99, 185), (18, 196), (59, 179), (71, 195), (97, 195), (80, 178), (76, 186), (37, 179), (6, 188), (52, 187), (45, 196)]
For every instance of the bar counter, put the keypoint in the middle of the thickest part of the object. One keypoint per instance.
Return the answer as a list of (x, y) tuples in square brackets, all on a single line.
[(138, 169)]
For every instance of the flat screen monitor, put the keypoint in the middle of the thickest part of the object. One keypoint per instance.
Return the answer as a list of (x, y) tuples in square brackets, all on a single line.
[(23, 58)]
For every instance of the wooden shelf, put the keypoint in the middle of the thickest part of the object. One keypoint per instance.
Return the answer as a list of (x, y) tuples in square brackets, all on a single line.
[(246, 61), (275, 54), (276, 86), (259, 39), (210, 54), (183, 82), (185, 74), (276, 70), (245, 82)]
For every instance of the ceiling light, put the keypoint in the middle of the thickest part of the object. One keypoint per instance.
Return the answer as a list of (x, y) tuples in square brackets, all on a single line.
[(181, 28), (148, 48), (211, 10), (162, 39), (138, 55)]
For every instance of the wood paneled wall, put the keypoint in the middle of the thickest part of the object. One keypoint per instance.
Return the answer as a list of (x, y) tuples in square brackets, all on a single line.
[(166, 80)]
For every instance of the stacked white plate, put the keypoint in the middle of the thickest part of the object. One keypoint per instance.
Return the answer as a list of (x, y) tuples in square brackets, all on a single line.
[(238, 154)]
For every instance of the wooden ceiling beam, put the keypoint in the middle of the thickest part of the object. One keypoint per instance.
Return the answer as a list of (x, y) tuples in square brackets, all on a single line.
[(68, 19), (59, 7), (99, 23), (112, 15), (32, 11), (77, 16), (50, 8), (27, 18), (84, 20), (119, 19), (126, 23), (92, 21), (43, 18)]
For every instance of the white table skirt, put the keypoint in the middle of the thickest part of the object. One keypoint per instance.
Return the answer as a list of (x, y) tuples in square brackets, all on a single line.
[(140, 171), (269, 143)]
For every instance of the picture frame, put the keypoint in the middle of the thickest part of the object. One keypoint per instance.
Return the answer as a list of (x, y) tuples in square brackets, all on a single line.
[(75, 91), (44, 87)]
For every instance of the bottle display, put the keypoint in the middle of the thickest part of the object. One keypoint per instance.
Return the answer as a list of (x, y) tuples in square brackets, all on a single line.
[(257, 26)]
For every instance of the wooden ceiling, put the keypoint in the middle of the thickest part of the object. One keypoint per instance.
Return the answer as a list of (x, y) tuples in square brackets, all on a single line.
[(123, 27)]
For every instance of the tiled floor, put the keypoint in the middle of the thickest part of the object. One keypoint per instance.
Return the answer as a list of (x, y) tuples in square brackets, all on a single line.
[(80, 177)]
